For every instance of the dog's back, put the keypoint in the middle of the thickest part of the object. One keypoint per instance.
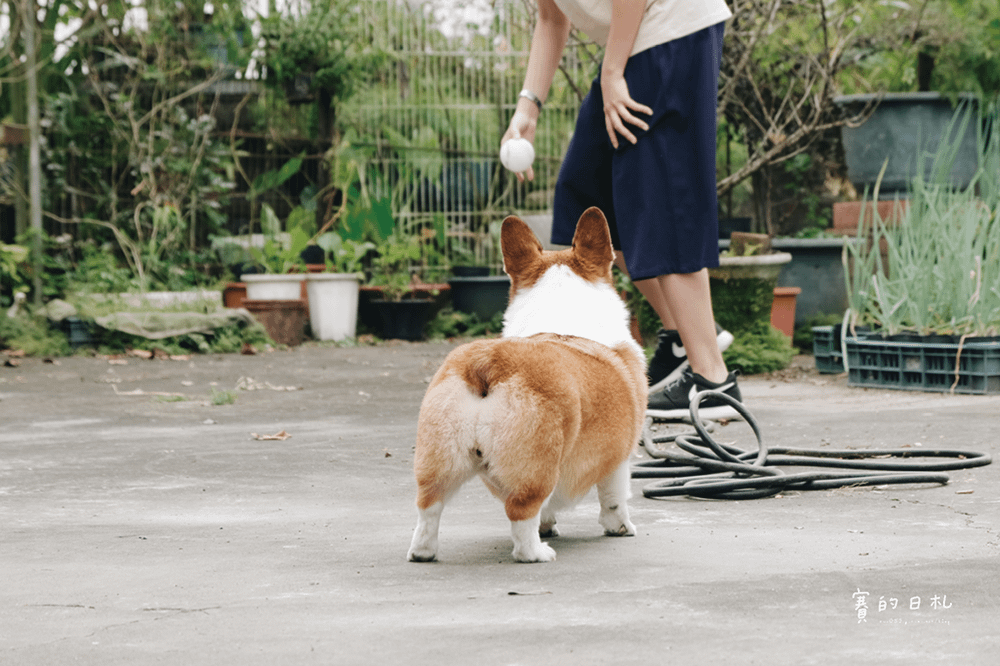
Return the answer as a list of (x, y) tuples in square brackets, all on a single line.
[(540, 414)]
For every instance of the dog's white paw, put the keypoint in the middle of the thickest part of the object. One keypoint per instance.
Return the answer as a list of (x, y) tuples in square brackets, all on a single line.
[(539, 552), (528, 546), (616, 523), (416, 554), (424, 546), (548, 530)]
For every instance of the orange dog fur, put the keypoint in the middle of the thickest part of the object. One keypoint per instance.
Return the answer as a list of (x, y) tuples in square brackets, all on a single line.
[(543, 414)]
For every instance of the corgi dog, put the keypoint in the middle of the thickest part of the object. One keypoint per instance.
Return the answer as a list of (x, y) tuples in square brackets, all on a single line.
[(552, 408)]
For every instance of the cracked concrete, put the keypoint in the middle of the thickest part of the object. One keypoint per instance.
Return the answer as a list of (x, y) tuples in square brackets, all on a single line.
[(141, 528)]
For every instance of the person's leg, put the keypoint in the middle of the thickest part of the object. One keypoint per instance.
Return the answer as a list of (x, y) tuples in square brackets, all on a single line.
[(688, 295), (651, 290)]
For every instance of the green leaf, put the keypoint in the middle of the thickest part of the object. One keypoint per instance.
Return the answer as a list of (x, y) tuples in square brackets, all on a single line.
[(276, 177), (384, 221), (269, 222)]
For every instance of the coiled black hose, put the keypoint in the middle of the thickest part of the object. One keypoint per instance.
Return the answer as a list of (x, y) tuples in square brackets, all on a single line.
[(720, 471)]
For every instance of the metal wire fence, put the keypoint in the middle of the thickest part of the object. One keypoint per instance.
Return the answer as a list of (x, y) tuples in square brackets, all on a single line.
[(431, 126)]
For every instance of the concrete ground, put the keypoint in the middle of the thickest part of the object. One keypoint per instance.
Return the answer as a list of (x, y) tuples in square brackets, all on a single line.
[(140, 528)]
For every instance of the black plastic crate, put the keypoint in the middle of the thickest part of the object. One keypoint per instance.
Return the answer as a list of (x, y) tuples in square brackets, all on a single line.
[(921, 365)]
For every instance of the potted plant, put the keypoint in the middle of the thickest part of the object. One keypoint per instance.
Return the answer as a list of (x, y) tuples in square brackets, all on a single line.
[(333, 294), (900, 127), (930, 287), (743, 288), (475, 289), (402, 312), (276, 295), (278, 260), (946, 53)]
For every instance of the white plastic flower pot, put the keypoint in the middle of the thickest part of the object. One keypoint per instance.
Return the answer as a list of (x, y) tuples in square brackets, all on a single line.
[(333, 305), (273, 286)]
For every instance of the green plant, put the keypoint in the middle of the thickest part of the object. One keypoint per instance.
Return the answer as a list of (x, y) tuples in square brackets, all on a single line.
[(816, 217), (223, 397), (326, 44), (950, 46), (344, 256), (11, 276), (449, 323), (391, 266), (279, 255), (803, 336), (131, 136), (743, 304), (98, 270), (761, 350), (941, 272), (33, 335)]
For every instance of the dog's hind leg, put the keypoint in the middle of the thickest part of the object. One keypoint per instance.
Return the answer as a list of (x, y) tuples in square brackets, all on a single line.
[(613, 492), (424, 546), (556, 502), (528, 546), (525, 517), (433, 492)]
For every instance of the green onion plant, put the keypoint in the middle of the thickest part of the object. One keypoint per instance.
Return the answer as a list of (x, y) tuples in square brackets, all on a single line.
[(941, 269)]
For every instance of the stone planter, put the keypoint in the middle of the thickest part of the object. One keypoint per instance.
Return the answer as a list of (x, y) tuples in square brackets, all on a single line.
[(760, 267), (158, 300), (817, 267), (901, 126), (743, 290)]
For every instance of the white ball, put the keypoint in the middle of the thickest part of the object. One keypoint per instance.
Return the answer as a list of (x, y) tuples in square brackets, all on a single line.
[(517, 154)]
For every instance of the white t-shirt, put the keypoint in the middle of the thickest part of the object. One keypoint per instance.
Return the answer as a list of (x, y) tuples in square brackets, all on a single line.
[(664, 20)]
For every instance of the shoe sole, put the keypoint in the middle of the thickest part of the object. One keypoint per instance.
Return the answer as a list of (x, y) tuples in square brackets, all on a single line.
[(706, 413), (724, 339)]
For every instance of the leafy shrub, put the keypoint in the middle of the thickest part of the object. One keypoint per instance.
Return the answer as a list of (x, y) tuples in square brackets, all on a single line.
[(33, 335), (759, 350)]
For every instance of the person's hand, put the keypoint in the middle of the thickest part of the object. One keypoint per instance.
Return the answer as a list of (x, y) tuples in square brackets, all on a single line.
[(521, 125), (619, 107)]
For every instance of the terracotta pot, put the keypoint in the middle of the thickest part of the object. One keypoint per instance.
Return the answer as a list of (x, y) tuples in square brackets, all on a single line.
[(234, 294), (783, 309)]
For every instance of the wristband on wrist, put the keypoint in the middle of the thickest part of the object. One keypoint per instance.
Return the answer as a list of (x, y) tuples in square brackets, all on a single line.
[(527, 94)]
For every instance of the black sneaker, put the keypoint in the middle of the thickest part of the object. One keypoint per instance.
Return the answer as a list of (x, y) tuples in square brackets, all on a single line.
[(674, 401), (670, 359)]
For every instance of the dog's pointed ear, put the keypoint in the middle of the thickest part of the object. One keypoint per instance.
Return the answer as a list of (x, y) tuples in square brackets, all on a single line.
[(519, 244), (592, 240)]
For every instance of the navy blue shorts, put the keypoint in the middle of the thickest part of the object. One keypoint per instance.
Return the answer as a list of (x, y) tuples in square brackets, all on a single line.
[(659, 195)]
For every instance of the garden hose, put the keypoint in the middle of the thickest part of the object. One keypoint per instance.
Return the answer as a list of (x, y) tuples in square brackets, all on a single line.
[(720, 471)]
